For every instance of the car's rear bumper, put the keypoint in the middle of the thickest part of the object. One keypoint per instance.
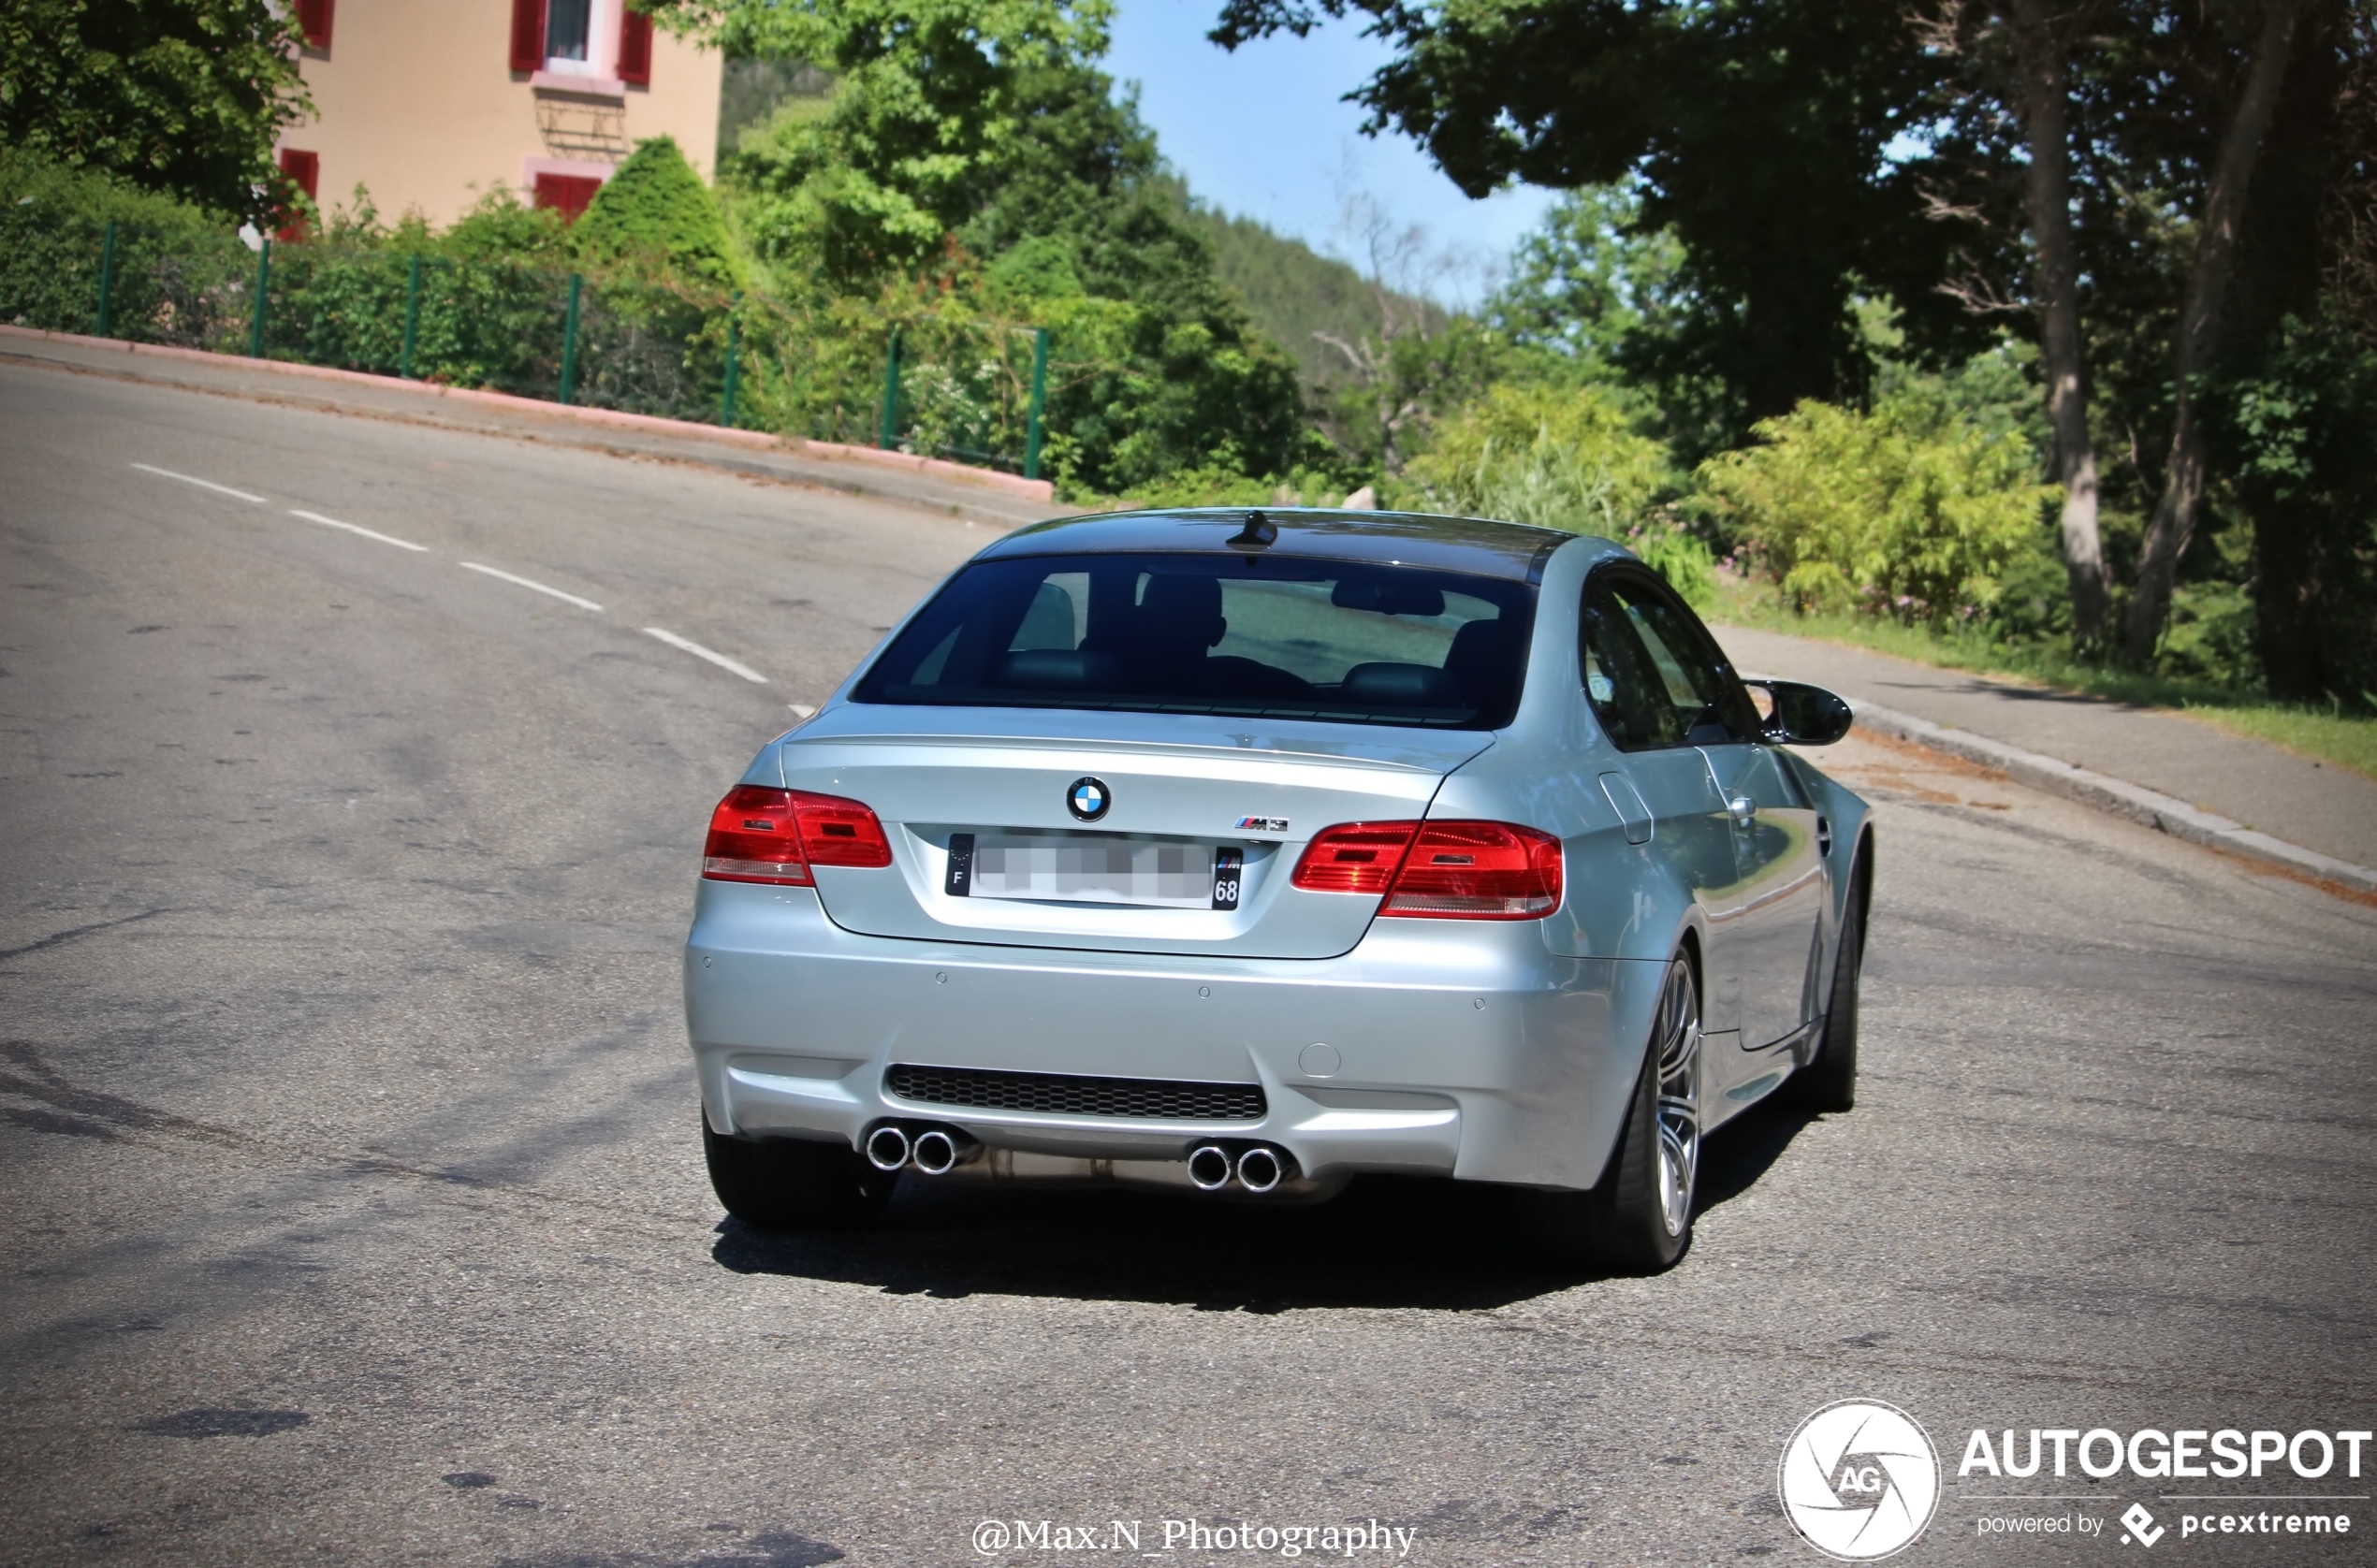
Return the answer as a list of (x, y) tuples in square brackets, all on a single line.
[(1464, 1047)]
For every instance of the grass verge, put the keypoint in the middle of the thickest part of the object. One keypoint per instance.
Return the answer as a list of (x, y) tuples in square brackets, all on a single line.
[(2322, 734)]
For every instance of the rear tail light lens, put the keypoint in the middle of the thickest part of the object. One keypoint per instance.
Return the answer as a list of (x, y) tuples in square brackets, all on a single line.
[(1438, 870), (1355, 857), (759, 834), (1477, 871)]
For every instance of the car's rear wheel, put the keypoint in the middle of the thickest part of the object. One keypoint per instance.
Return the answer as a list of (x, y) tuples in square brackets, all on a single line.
[(1829, 1081), (793, 1185), (1639, 1219)]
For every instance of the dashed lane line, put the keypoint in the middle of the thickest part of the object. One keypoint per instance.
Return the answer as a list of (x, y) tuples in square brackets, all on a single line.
[(803, 709), (354, 527), (738, 666), (201, 483), (734, 666), (530, 583)]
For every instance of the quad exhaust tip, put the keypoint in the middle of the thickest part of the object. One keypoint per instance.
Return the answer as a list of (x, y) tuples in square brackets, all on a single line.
[(933, 1151), (1258, 1168), (1209, 1166), (888, 1147), (939, 1150)]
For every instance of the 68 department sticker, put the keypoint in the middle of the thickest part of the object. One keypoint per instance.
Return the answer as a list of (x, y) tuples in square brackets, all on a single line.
[(1860, 1480)]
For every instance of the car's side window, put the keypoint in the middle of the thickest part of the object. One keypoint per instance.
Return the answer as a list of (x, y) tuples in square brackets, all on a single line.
[(1650, 675)]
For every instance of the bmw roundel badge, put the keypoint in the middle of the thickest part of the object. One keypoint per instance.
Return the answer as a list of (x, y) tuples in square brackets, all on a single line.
[(1088, 798)]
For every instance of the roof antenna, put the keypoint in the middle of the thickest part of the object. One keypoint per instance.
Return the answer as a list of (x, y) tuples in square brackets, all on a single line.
[(1259, 533)]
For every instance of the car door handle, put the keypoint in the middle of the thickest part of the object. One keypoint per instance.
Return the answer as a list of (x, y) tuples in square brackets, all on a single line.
[(1744, 810)]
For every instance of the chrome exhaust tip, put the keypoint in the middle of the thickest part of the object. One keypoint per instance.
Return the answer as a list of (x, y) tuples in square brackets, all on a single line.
[(939, 1150), (888, 1147), (1260, 1169), (1209, 1166)]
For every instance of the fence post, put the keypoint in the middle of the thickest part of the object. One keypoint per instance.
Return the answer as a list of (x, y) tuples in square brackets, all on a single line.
[(890, 396), (106, 281), (1039, 402), (734, 355), (263, 288), (569, 341), (411, 317)]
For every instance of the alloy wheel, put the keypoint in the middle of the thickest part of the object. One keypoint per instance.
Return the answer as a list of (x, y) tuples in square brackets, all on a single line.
[(1679, 1115)]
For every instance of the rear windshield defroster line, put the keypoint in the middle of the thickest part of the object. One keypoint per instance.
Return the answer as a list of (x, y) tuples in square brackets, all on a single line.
[(1266, 636)]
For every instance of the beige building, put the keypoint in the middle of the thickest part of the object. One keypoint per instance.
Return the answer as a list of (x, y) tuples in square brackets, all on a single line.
[(432, 103)]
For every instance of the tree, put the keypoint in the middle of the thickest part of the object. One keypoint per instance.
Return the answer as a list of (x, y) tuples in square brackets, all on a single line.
[(1760, 132), (930, 108), (2215, 245), (972, 172), (180, 97), (655, 216)]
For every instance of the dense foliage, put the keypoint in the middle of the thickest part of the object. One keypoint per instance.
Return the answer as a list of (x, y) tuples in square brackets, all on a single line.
[(971, 177), (184, 98), (1907, 510)]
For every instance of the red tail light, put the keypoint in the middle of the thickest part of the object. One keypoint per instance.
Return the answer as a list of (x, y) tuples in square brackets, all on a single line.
[(1438, 870), (1355, 857), (1477, 871), (759, 834)]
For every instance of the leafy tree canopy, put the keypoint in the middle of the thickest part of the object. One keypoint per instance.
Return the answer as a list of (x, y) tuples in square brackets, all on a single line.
[(180, 97), (932, 104), (1759, 132)]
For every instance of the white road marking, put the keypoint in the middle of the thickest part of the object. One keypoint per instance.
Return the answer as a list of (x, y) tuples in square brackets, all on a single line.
[(672, 640), (803, 709), (570, 598), (201, 483), (350, 528)]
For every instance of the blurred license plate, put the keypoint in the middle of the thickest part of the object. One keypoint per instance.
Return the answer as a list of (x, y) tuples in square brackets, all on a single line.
[(1084, 870)]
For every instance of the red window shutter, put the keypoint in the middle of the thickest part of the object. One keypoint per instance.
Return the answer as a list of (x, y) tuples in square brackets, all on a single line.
[(302, 170), (567, 194), (528, 35), (636, 48), (313, 21)]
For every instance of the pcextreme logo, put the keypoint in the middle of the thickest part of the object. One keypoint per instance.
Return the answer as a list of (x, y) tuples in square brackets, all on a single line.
[(1860, 1480)]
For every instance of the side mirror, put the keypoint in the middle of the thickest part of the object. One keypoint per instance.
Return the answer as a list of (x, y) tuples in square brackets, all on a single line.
[(1801, 715)]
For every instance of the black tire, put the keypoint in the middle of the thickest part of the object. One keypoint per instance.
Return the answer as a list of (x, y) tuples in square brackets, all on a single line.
[(1639, 1219), (783, 1184), (1829, 1082)]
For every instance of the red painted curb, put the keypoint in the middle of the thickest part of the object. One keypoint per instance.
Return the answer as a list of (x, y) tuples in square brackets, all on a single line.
[(1031, 489)]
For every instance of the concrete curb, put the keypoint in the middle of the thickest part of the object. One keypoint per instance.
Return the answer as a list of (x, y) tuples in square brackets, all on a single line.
[(826, 451), (2118, 796)]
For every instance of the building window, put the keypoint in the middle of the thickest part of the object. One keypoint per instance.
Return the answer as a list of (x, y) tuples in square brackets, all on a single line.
[(567, 194), (567, 24)]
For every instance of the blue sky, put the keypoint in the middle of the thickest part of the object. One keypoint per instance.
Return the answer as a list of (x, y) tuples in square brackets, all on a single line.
[(1262, 133)]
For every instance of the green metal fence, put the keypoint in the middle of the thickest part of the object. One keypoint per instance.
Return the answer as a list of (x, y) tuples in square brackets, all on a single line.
[(970, 390)]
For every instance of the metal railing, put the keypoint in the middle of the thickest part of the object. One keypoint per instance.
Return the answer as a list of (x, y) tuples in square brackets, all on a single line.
[(967, 388)]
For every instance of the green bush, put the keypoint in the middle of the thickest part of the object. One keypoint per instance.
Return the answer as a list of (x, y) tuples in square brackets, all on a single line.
[(1910, 511), (181, 276), (656, 219), (1552, 456)]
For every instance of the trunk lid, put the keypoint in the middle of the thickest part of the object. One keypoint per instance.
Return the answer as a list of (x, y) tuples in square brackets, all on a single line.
[(1190, 804)]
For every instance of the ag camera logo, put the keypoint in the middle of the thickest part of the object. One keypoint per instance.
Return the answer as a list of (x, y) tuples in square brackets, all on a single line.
[(1860, 1480)]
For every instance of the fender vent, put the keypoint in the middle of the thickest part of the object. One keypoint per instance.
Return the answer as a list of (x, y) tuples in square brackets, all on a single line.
[(1063, 1095)]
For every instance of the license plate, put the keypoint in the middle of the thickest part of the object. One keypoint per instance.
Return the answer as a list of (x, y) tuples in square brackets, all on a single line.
[(1063, 868)]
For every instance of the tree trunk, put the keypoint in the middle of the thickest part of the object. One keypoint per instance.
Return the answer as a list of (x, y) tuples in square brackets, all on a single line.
[(2043, 97), (2174, 524)]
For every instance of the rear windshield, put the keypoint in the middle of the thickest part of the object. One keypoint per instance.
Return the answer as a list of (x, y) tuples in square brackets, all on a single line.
[(1271, 636)]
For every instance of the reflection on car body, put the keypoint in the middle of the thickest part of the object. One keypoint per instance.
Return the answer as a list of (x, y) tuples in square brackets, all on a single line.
[(1251, 852)]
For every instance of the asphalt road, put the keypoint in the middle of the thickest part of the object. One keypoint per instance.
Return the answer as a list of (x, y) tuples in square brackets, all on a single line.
[(355, 1210)]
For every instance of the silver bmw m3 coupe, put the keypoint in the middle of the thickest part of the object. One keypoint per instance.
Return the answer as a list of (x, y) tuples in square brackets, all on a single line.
[(1246, 852)]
